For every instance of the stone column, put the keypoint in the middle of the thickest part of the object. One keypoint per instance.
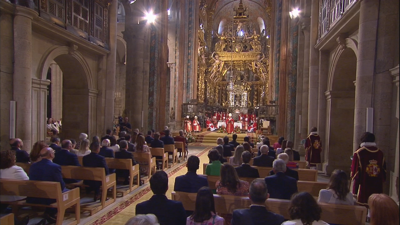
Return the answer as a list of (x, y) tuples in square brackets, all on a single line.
[(111, 68), (305, 87), (299, 86), (395, 175), (313, 65), (56, 91), (39, 105), (134, 36), (6, 71), (365, 65), (181, 65), (22, 80), (322, 88)]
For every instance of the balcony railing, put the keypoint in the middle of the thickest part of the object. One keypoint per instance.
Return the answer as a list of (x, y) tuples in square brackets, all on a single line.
[(330, 12)]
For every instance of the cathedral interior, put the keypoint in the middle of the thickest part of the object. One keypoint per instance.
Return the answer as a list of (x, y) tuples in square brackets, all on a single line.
[(330, 64)]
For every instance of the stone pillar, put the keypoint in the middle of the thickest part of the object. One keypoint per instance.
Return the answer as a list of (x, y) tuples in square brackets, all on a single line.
[(111, 68), (6, 71), (39, 105), (299, 86), (365, 65), (181, 65), (134, 36), (322, 88), (22, 80), (313, 71), (92, 113), (56, 91), (395, 174), (305, 87)]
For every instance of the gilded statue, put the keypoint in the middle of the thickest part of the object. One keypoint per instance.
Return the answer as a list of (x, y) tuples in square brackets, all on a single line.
[(217, 66), (255, 42), (260, 68), (220, 45)]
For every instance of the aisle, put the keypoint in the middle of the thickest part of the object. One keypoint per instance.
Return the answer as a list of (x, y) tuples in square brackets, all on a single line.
[(126, 210)]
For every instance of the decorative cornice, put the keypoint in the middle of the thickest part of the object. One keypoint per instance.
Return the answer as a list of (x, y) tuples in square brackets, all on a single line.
[(24, 11), (7, 7)]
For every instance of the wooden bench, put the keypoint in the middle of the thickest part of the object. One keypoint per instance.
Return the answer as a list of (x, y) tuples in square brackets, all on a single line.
[(150, 161), (160, 153), (171, 150), (311, 187), (181, 145), (212, 180), (301, 164), (126, 164), (7, 219), (95, 174), (24, 166), (42, 189), (80, 159), (225, 204)]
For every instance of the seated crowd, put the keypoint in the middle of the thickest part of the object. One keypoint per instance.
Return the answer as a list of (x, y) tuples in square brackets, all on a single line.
[(230, 161)]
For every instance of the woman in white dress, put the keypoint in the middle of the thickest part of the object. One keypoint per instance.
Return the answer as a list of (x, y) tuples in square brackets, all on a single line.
[(84, 148), (304, 210), (338, 191), (236, 160)]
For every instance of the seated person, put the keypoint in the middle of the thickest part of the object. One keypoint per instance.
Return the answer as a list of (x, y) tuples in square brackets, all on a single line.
[(383, 210), (204, 212), (214, 168), (257, 213), (110, 137), (220, 150), (245, 170), (247, 139), (289, 172), (148, 219), (263, 160), (234, 143), (157, 143), (21, 155), (191, 182), (338, 191), (124, 154), (290, 164), (105, 151), (142, 148), (128, 139), (168, 140), (55, 144), (280, 185), (236, 160), (46, 170), (167, 211), (228, 149), (94, 160), (65, 158), (181, 138), (296, 154), (230, 184), (149, 138), (271, 151)]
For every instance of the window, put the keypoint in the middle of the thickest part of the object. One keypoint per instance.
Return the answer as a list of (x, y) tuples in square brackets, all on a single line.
[(57, 8), (81, 15), (98, 21)]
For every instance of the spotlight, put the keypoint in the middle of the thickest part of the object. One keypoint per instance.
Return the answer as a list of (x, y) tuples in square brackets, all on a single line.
[(131, 1), (294, 13), (150, 17)]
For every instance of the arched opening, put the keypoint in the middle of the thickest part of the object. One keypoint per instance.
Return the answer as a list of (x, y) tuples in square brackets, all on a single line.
[(341, 104), (261, 24)]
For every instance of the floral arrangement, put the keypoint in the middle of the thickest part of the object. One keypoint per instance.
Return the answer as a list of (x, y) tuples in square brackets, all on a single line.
[(260, 138), (190, 138), (222, 129), (237, 130)]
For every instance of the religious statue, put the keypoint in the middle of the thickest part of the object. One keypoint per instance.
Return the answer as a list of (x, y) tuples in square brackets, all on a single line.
[(229, 124), (172, 114), (188, 125), (260, 68), (220, 45), (245, 123), (217, 66), (196, 125), (255, 42)]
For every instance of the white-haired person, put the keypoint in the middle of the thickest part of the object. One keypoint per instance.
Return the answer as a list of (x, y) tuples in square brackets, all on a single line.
[(82, 137), (143, 219), (280, 185), (289, 172)]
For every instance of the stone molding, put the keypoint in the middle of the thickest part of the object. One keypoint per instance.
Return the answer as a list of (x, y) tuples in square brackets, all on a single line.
[(26, 12), (7, 7)]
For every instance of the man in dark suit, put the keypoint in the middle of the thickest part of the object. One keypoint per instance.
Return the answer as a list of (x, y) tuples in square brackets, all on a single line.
[(279, 185), (110, 137), (94, 160), (167, 211), (124, 154), (128, 139), (263, 160), (65, 158), (234, 143), (149, 137), (227, 147), (157, 143), (168, 140), (191, 182), (247, 139), (46, 170), (55, 144), (20, 155), (105, 151), (289, 172), (181, 138), (245, 170), (257, 214)]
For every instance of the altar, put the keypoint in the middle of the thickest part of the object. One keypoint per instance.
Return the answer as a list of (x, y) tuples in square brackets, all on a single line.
[(235, 124)]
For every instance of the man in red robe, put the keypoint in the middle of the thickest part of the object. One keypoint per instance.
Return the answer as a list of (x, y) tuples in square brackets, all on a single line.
[(253, 127), (313, 148), (188, 125), (368, 169), (196, 125), (210, 125), (229, 124)]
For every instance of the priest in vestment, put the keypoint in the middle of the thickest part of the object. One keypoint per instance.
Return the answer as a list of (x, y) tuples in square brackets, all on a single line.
[(313, 148), (196, 125), (188, 125), (210, 125), (253, 127), (229, 124)]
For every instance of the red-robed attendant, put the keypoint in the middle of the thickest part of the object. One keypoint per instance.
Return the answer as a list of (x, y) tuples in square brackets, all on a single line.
[(223, 115), (196, 125), (368, 169), (210, 125), (188, 125), (245, 123), (229, 124), (253, 127), (218, 116), (313, 148)]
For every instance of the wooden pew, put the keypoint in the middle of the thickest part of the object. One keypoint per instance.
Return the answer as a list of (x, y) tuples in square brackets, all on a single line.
[(43, 189), (80, 159), (24, 166), (304, 174), (301, 164), (181, 145), (172, 150), (213, 179), (225, 204), (160, 153), (125, 164), (7, 219), (144, 157), (95, 174), (311, 187)]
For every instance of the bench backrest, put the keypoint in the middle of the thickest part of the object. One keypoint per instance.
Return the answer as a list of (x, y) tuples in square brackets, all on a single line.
[(179, 144), (24, 166), (121, 164), (301, 164), (80, 159), (169, 148), (311, 187), (157, 152), (30, 188), (142, 157), (331, 213), (83, 173)]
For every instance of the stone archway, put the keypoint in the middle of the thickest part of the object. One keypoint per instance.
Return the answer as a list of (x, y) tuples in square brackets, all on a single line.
[(78, 97), (340, 110)]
